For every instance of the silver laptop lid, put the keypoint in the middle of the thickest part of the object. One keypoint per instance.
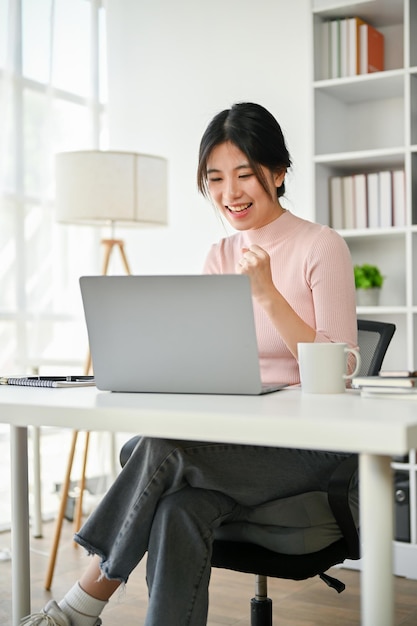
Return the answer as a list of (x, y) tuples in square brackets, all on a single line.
[(172, 334)]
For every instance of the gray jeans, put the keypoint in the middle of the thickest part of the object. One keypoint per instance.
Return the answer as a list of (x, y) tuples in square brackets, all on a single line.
[(168, 500)]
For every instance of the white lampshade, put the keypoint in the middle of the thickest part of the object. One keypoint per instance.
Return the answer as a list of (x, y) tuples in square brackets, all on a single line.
[(94, 187)]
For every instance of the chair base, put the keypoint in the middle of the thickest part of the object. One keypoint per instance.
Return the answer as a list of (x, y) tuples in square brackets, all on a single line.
[(261, 612)]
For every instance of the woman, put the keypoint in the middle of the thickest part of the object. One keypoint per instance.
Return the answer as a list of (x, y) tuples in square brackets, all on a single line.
[(172, 495)]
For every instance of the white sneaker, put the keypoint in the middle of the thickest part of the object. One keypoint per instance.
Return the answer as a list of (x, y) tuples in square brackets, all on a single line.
[(51, 615)]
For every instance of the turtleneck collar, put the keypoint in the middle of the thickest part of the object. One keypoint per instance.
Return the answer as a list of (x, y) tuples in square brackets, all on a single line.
[(272, 232)]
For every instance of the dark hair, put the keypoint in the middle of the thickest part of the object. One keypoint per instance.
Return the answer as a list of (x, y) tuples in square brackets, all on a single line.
[(256, 132)]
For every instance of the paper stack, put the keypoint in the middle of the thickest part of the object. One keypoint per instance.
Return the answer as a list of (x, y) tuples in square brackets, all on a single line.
[(388, 385)]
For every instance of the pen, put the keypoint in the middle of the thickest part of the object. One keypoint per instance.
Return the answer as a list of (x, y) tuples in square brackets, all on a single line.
[(46, 377), (61, 378)]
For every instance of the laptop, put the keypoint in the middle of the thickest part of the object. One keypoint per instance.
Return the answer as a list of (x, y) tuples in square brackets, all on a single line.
[(173, 334)]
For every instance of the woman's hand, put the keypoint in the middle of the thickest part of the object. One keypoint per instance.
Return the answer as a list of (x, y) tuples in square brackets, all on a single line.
[(255, 263)]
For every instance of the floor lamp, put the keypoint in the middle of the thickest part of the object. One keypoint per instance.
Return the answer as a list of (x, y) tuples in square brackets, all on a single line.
[(104, 188)]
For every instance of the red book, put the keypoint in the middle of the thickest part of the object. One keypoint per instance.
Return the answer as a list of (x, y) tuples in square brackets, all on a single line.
[(371, 49)]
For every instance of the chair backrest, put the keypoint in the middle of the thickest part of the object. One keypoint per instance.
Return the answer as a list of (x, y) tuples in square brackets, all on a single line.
[(373, 340)]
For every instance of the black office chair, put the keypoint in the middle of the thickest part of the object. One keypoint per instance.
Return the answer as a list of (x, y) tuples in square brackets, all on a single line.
[(373, 340)]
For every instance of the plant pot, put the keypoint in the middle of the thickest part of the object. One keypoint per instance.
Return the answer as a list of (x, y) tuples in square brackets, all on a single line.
[(368, 297)]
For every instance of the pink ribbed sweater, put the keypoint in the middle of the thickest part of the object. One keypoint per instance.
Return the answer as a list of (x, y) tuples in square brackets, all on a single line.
[(312, 268)]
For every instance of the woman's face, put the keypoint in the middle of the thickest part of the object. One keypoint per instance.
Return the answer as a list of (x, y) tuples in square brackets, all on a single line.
[(236, 191)]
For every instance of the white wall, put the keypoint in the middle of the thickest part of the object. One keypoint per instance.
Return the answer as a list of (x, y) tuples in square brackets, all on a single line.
[(173, 64)]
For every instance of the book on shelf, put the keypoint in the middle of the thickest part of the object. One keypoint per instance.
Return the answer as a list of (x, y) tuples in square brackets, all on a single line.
[(388, 382), (325, 49), (398, 198), (48, 381), (335, 49), (385, 199), (360, 201), (354, 24), (373, 199), (348, 202), (336, 203), (350, 46), (371, 47), (344, 51)]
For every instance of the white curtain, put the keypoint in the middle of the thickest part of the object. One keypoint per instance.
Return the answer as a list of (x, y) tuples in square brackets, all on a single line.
[(52, 99)]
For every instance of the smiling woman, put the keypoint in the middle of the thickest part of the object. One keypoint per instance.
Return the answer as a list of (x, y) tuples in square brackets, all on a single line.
[(243, 161), (245, 195), (259, 139)]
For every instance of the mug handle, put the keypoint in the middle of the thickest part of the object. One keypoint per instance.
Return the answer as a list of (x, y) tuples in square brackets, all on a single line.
[(358, 363)]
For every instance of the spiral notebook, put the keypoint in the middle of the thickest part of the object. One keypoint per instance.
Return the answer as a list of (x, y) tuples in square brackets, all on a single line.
[(173, 334), (48, 381)]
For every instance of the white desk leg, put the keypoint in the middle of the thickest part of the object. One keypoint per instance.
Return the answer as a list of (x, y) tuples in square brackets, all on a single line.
[(376, 523), (37, 483), (20, 524)]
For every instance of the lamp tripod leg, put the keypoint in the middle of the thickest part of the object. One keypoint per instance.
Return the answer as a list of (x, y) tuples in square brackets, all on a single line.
[(61, 513), (108, 248), (124, 258)]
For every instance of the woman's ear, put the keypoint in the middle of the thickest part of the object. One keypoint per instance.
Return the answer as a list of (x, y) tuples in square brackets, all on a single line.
[(279, 177)]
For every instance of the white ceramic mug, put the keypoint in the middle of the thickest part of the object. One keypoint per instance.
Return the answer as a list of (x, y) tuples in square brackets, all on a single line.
[(323, 366)]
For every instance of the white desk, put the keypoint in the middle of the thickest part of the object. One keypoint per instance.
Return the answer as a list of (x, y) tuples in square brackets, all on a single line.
[(376, 429)]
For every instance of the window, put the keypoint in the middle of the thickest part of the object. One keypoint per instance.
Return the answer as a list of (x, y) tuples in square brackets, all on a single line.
[(52, 98)]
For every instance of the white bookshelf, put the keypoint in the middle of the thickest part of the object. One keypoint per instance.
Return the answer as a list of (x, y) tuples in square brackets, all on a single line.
[(363, 124)]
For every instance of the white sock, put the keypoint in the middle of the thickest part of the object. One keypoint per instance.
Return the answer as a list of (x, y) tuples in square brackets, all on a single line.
[(80, 607)]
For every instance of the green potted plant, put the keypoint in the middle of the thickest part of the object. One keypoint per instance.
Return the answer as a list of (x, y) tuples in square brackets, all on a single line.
[(368, 283)]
